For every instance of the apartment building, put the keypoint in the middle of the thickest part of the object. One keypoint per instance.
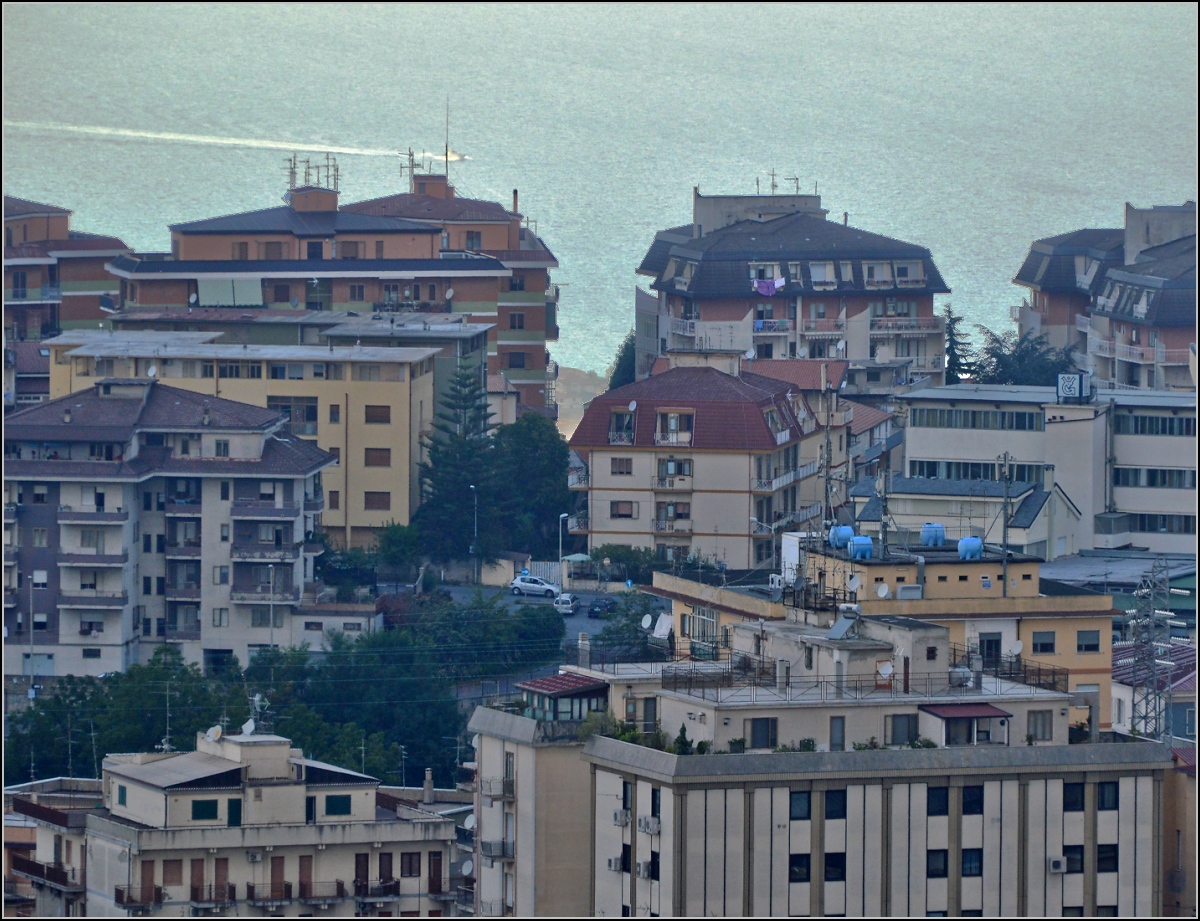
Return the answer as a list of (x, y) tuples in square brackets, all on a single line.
[(975, 831), (26, 373), (138, 513), (1132, 680), (1126, 458), (54, 277), (243, 824), (532, 817), (368, 406), (703, 459), (1125, 297), (769, 274), (1179, 834)]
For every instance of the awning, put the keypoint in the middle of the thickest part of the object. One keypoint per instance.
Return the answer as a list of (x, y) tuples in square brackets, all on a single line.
[(961, 711), (664, 625), (214, 292), (247, 292)]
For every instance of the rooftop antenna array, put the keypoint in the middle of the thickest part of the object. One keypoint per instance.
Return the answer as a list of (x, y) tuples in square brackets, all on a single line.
[(795, 179), (289, 167), (1149, 627)]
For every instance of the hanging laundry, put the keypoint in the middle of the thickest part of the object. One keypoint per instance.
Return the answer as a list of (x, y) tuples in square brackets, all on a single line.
[(779, 283), (765, 287)]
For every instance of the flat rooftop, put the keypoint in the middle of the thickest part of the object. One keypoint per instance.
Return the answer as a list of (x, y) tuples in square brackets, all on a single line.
[(999, 393), (379, 327), (120, 348)]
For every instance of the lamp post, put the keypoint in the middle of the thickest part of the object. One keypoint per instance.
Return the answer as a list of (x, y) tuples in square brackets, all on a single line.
[(475, 539), (271, 606), (561, 518)]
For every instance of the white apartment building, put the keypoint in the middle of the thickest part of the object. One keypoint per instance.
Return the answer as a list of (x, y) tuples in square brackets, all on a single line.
[(138, 514), (1125, 458)]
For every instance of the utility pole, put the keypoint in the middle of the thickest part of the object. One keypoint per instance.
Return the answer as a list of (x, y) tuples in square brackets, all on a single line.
[(827, 393), (1150, 629), (95, 760), (1005, 466), (70, 748)]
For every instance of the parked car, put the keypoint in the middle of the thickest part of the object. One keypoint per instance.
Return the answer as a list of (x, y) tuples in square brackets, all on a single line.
[(531, 585), (602, 607), (567, 604)]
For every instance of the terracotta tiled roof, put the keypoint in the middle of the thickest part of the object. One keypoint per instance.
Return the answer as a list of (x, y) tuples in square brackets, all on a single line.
[(1185, 759), (15, 207), (558, 685), (83, 243), (805, 373), (1126, 670), (865, 417)]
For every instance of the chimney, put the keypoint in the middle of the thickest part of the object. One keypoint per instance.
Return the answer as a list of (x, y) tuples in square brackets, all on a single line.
[(427, 788), (516, 210), (845, 218)]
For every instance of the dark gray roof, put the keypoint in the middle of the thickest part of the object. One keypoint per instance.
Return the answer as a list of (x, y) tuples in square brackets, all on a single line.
[(432, 208), (1165, 275), (1050, 263), (936, 486), (285, 219), (304, 267), (15, 207), (1030, 507), (659, 254)]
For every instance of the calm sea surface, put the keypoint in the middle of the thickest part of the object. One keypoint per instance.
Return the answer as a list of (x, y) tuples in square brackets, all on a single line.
[(968, 129)]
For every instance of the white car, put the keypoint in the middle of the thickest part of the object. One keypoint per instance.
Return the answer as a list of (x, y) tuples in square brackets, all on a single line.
[(567, 604), (531, 585)]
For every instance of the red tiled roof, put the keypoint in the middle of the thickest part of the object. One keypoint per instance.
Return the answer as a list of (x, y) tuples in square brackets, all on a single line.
[(804, 373), (955, 711), (865, 417), (728, 410), (43, 248), (1185, 759), (558, 685), (1125, 668), (661, 364)]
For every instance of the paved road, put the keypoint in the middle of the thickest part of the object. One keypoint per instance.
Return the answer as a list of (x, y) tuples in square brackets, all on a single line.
[(575, 624)]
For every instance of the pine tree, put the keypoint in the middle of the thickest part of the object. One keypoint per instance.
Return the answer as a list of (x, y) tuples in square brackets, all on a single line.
[(624, 370), (959, 358)]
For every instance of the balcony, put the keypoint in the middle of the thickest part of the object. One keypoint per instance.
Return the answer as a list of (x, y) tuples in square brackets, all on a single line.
[(1083, 323), (620, 438), (92, 560), (263, 510), (1102, 347), (552, 295), (464, 778), (917, 282), (786, 478), (314, 503), (464, 896), (498, 850), (253, 551), (261, 594), (70, 819), (91, 515), (822, 326), (465, 837), (772, 327), (1138, 354), (379, 890), (758, 529), (56, 875), (671, 483), (90, 598), (579, 478), (317, 892), (10, 555), (886, 326), (824, 284), (183, 591), (577, 524), (212, 895), (10, 598), (138, 897), (180, 633), (183, 550), (1171, 356), (268, 894), (38, 294), (683, 327), (10, 513), (783, 436), (188, 508), (503, 789), (673, 525), (672, 438)]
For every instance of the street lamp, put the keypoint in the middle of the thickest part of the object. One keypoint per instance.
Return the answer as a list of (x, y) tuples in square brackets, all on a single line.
[(475, 540), (561, 518)]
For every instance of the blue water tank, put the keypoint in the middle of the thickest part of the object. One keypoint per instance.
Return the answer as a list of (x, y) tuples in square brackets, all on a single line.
[(861, 548), (933, 534), (840, 535), (970, 548)]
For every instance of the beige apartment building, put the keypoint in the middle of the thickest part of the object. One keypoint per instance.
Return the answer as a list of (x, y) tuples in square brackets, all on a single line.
[(1126, 459), (701, 460), (138, 514), (245, 824), (367, 405)]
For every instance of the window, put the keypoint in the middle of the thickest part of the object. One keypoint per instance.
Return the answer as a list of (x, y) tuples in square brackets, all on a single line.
[(203, 810), (799, 868), (655, 865), (901, 729), (835, 867), (335, 413), (121, 794), (800, 807), (220, 617), (1041, 725), (1073, 857), (39, 495), (364, 372), (241, 250), (220, 575), (378, 249), (337, 804), (516, 359), (313, 625), (225, 533), (972, 861), (622, 509), (837, 733), (972, 800), (377, 415), (333, 370), (937, 801), (173, 871), (936, 864), (1106, 858), (20, 288), (1087, 641), (221, 448), (835, 804), (335, 500), (1072, 797), (91, 652), (39, 537), (622, 466), (410, 864), (1106, 911), (348, 249), (1108, 795), (1043, 642), (474, 239), (377, 457), (147, 585), (283, 294), (377, 501), (761, 732), (337, 455), (656, 802), (1128, 424), (516, 321), (357, 292), (931, 652)]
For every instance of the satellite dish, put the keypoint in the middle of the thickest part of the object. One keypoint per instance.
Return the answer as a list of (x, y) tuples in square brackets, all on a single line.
[(295, 302), (468, 866), (192, 298), (886, 669), (469, 822), (1017, 647), (248, 727), (803, 353), (152, 371), (883, 590), (841, 344), (449, 293), (633, 406), (853, 582), (213, 734), (750, 353), (647, 621)]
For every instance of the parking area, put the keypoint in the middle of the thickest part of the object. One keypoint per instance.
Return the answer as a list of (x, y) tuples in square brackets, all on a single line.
[(576, 623)]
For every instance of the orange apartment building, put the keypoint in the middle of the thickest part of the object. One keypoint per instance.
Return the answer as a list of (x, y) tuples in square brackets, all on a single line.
[(54, 277)]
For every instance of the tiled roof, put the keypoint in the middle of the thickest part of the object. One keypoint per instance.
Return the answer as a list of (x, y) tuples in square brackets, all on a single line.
[(1127, 671), (15, 207), (1165, 275), (558, 685), (431, 208), (728, 410), (659, 254), (1185, 759), (804, 373), (1050, 263), (936, 486), (44, 249), (1029, 509), (865, 417), (290, 268), (285, 219), (29, 358)]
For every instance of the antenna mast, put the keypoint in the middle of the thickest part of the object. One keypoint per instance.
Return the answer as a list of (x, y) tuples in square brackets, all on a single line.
[(165, 744), (447, 140), (1006, 475), (795, 179), (1150, 629)]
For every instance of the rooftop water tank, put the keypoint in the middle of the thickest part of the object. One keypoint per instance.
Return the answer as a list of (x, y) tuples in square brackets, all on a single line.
[(970, 548), (933, 534), (840, 536), (861, 548)]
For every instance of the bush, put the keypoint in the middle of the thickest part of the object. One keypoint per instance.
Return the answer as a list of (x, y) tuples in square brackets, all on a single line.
[(870, 745), (922, 743), (804, 745)]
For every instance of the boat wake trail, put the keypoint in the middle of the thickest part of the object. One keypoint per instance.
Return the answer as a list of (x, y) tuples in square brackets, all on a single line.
[(216, 140)]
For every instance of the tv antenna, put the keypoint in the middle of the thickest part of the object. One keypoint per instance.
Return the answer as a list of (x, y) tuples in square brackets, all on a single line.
[(165, 744), (773, 184), (289, 168), (795, 179)]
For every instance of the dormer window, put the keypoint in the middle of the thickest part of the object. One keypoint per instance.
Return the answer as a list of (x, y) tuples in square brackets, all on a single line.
[(822, 274), (620, 428), (764, 271), (673, 428)]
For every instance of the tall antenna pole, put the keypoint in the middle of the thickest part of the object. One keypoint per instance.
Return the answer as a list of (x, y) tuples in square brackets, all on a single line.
[(1005, 469), (95, 760), (447, 139), (70, 749)]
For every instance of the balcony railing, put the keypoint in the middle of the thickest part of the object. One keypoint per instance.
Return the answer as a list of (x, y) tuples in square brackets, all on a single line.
[(1030, 672), (10, 513), (783, 436), (382, 889), (499, 788), (766, 327), (578, 478), (760, 529), (1135, 353), (683, 327), (253, 550), (73, 819), (1102, 347), (89, 598), (326, 891), (465, 896), (620, 438), (1171, 356), (1083, 323), (213, 894), (91, 515), (264, 893), (37, 293), (315, 503), (883, 325), (138, 896), (263, 509), (917, 282), (577, 524), (823, 325), (10, 555), (673, 525), (183, 591), (498, 850), (188, 507), (59, 876), (465, 837), (678, 483), (261, 594), (79, 558), (786, 478), (672, 438), (187, 549)]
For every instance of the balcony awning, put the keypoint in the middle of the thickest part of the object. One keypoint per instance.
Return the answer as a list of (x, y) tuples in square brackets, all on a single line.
[(968, 711)]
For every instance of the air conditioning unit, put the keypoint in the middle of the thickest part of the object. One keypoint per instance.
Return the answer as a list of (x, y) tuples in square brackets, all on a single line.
[(1056, 865), (643, 869), (253, 857), (649, 824), (909, 592), (775, 580), (614, 864), (621, 817)]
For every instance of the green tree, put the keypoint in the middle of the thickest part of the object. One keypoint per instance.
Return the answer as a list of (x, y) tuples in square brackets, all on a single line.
[(1026, 360), (624, 368), (533, 457), (400, 548), (623, 628), (624, 562), (683, 745), (958, 350)]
